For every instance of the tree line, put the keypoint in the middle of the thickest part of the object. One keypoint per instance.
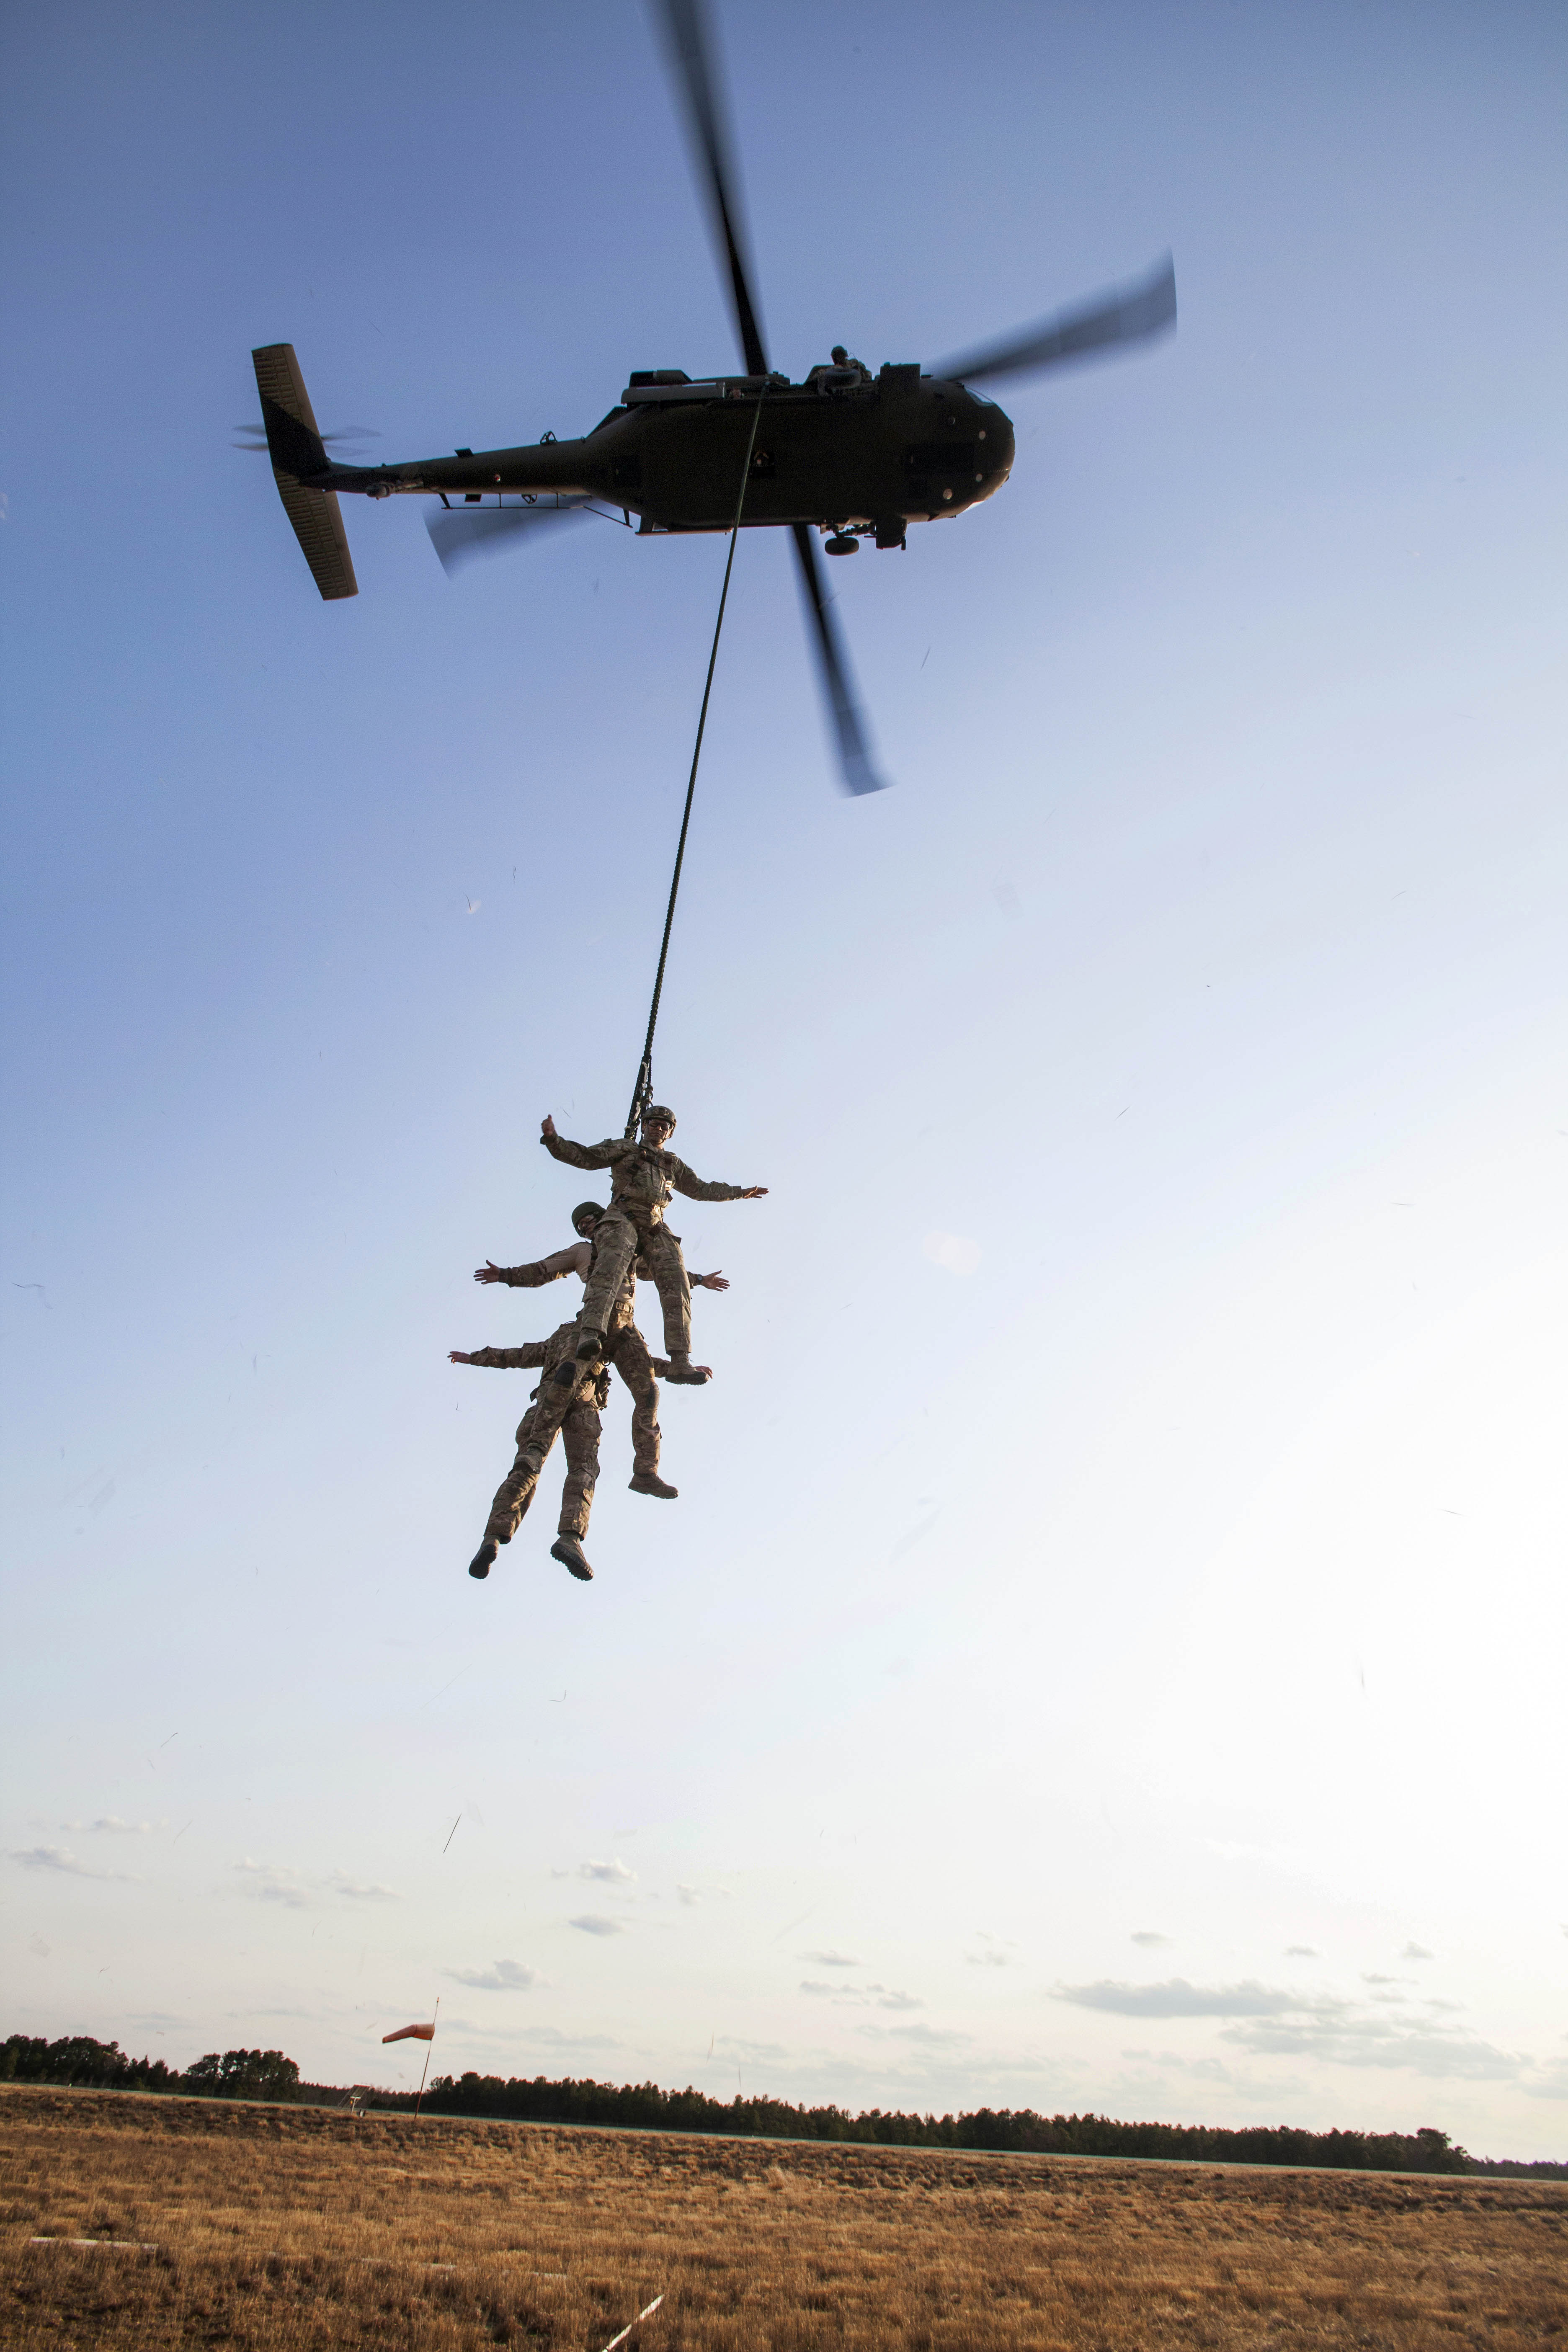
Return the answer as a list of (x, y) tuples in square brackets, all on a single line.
[(86, 2065), (644, 2106), (80, 2061)]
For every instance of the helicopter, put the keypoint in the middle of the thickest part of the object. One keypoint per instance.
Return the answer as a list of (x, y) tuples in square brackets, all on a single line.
[(845, 453)]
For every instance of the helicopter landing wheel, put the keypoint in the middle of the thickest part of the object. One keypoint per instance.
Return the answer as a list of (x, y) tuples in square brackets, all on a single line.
[(842, 542)]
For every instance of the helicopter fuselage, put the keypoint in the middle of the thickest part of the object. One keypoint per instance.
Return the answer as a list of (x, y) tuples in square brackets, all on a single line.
[(846, 449)]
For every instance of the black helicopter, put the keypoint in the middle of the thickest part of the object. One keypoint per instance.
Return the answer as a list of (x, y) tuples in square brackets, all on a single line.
[(850, 454)]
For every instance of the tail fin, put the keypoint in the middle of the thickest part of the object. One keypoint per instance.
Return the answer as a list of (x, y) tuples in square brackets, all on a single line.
[(294, 445)]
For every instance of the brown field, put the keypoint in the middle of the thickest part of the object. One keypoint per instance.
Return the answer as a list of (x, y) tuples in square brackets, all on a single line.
[(262, 2225)]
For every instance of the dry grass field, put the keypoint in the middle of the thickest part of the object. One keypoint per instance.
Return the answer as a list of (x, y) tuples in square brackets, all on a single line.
[(241, 2225)]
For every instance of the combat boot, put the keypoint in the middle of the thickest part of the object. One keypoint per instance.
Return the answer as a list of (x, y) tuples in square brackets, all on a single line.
[(685, 1374), (648, 1482), (483, 1559), (569, 1552), (590, 1345)]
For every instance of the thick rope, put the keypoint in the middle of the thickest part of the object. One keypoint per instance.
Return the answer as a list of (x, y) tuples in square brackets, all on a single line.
[(643, 1092)]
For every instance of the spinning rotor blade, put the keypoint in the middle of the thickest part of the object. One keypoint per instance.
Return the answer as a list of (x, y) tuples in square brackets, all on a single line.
[(689, 37), (854, 766), (456, 535), (1129, 315), (691, 51), (329, 440)]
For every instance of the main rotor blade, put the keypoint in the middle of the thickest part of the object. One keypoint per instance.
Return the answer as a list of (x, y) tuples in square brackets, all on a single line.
[(1128, 315), (346, 433), (690, 44), (854, 753), (456, 535)]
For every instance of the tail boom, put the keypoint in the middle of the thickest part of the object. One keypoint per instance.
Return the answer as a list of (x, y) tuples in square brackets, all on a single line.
[(563, 466)]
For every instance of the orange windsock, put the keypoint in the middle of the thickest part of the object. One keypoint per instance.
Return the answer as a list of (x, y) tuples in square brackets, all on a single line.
[(411, 2033)]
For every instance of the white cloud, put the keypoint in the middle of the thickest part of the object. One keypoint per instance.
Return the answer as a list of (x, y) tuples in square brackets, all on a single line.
[(272, 1882), (869, 1996), (268, 1882), (592, 1923), (998, 1952), (1178, 1998), (690, 1894), (1302, 1952), (49, 1857), (1350, 2040), (755, 2053), (113, 1821), (505, 1975), (1277, 2023), (1417, 1952), (1149, 1938), (934, 2037), (608, 1872), (550, 2037), (831, 1959), (59, 1858), (953, 1252), (360, 1891)]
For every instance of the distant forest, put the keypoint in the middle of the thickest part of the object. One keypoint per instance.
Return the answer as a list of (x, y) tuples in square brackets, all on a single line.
[(81, 2063)]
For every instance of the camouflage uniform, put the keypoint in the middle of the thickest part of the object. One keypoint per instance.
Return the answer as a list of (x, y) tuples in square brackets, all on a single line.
[(572, 1407), (626, 1348), (642, 1185)]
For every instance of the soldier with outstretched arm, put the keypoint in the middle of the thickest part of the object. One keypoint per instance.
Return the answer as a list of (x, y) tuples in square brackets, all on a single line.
[(644, 1179), (565, 1397), (574, 1408), (626, 1348)]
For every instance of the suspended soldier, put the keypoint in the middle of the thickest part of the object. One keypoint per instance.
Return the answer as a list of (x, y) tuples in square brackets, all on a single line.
[(644, 1179), (627, 1350), (573, 1407), (562, 1400)]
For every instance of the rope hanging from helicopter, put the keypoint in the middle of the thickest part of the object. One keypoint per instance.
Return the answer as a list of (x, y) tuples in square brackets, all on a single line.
[(642, 1094)]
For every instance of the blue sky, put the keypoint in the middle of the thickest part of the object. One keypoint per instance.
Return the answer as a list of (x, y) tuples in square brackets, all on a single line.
[(1106, 1652)]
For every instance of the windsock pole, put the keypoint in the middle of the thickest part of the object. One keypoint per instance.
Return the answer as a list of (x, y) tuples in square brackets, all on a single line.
[(425, 2068)]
